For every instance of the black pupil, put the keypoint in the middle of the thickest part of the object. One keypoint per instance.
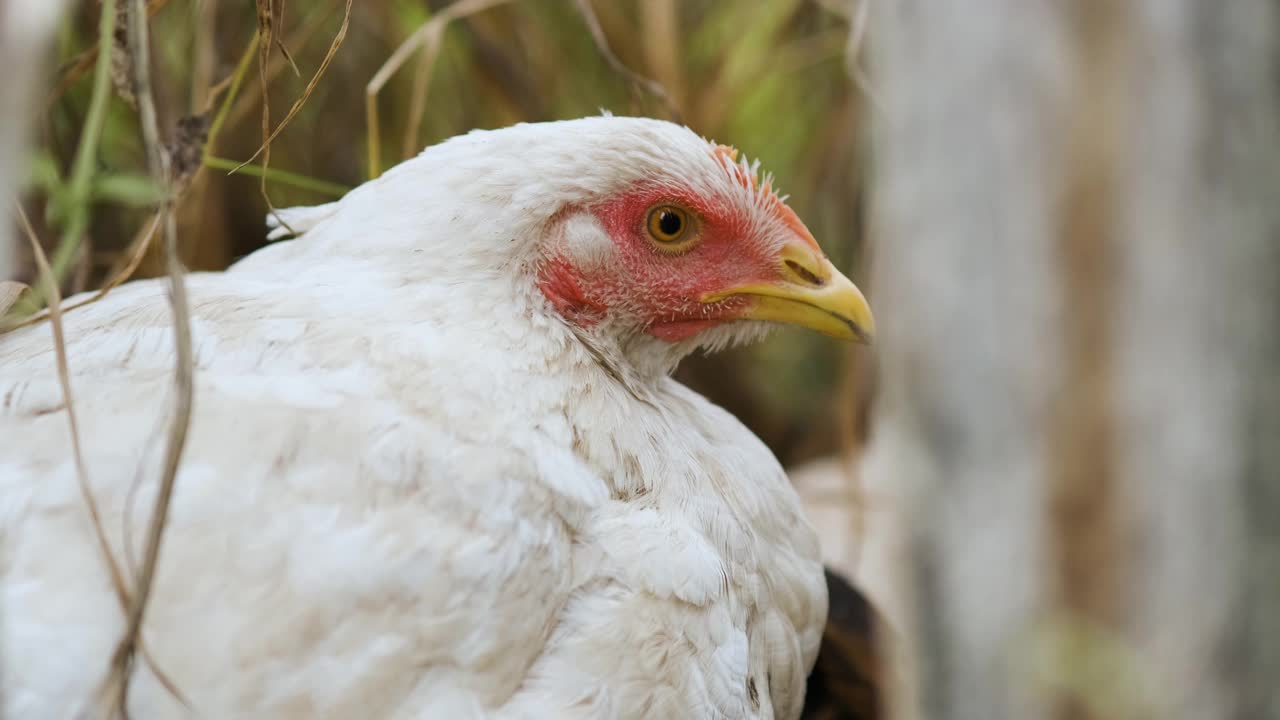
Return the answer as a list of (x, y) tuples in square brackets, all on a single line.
[(669, 223)]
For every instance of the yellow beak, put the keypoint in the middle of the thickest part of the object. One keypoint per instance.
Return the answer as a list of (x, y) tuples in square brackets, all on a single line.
[(811, 293)]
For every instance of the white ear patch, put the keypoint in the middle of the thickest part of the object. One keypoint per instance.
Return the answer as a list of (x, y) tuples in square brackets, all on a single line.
[(586, 243)]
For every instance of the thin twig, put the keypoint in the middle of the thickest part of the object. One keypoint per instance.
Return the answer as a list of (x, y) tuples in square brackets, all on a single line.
[(64, 379), (82, 473), (122, 660), (137, 251), (216, 90), (426, 36), (654, 87)]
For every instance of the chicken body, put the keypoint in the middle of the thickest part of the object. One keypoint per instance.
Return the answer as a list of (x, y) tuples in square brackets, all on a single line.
[(411, 489)]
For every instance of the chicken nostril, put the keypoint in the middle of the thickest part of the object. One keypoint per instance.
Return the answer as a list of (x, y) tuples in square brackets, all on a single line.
[(805, 274)]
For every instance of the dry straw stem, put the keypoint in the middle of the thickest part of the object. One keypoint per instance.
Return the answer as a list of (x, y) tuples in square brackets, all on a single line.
[(637, 81), (427, 37), (114, 694), (265, 36), (281, 46), (60, 353)]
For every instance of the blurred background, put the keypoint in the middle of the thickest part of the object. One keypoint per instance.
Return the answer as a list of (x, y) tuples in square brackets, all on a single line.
[(1056, 477)]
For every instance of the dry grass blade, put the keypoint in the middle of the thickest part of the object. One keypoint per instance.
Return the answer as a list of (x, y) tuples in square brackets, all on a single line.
[(637, 80), (316, 19), (280, 43), (10, 292), (265, 36), (288, 57), (427, 36), (418, 98), (216, 90), (306, 93), (265, 31), (137, 251), (115, 691)]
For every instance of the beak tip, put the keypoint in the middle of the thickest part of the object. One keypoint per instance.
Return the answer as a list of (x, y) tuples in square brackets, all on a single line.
[(864, 330), (858, 331)]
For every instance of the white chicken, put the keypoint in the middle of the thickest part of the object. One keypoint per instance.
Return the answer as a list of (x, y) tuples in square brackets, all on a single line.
[(437, 467)]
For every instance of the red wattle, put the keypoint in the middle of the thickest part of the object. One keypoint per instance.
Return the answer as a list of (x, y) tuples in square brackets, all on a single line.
[(557, 282)]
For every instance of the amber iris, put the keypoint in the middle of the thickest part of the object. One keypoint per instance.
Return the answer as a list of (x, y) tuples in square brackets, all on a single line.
[(668, 224)]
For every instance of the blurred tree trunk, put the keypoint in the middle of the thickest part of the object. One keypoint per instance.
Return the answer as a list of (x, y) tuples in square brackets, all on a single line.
[(1077, 282)]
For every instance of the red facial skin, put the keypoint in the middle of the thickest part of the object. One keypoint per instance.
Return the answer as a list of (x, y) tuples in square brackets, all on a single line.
[(657, 286)]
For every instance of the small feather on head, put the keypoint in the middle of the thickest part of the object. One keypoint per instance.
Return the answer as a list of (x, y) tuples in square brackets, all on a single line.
[(747, 175)]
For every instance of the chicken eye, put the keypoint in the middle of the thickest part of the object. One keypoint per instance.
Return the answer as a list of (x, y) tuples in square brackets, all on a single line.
[(668, 224)]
